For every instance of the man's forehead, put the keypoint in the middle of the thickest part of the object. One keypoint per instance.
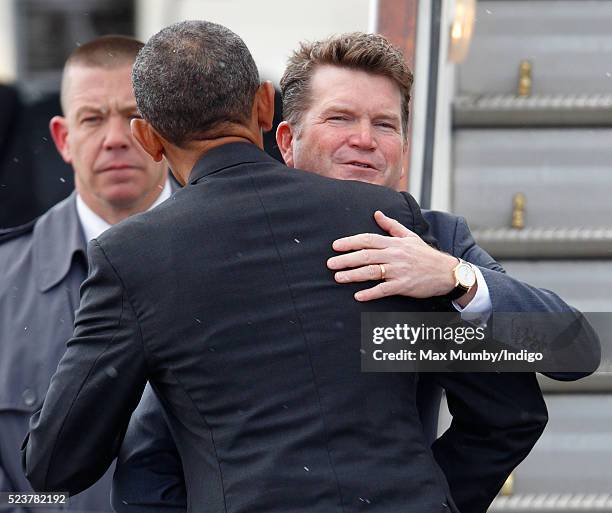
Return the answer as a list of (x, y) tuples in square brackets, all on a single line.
[(326, 72), (335, 84), (98, 85)]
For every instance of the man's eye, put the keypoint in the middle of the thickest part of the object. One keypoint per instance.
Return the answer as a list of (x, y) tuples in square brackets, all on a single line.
[(337, 118), (384, 124), (91, 120)]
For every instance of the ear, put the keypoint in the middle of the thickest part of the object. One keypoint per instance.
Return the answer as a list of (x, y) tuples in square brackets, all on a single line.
[(284, 140), (58, 127), (265, 106), (148, 138)]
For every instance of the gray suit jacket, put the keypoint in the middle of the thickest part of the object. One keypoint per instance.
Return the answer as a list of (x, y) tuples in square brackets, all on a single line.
[(42, 266), (149, 475)]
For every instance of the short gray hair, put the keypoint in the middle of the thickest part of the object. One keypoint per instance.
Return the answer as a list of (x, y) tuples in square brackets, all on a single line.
[(106, 52), (192, 77)]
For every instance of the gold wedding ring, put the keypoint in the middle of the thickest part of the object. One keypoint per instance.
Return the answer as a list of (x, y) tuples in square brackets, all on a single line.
[(382, 272)]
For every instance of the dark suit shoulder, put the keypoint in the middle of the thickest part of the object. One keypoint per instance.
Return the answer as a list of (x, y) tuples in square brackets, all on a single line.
[(441, 216), (141, 236), (334, 184), (443, 221), (361, 195), (443, 227), (138, 228)]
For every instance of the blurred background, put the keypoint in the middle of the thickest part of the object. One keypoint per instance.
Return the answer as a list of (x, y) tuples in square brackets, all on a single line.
[(511, 127)]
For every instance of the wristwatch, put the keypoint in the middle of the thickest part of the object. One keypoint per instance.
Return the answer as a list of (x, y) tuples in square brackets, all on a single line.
[(465, 279)]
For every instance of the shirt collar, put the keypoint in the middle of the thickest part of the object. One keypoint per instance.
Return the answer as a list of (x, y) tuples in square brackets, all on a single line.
[(93, 225), (57, 238), (59, 235), (225, 156)]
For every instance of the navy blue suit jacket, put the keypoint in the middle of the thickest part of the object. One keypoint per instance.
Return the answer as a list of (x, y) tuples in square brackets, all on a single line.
[(507, 294)]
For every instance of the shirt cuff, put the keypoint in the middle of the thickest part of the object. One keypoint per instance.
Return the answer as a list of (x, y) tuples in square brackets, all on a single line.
[(479, 308)]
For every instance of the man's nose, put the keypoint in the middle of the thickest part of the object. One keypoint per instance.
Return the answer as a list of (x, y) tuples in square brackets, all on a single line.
[(118, 134), (363, 136)]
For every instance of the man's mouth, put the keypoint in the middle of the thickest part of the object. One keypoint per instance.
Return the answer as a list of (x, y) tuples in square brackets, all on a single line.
[(364, 165), (118, 167)]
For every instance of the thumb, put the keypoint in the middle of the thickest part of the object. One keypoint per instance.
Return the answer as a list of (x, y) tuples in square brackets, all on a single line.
[(391, 226)]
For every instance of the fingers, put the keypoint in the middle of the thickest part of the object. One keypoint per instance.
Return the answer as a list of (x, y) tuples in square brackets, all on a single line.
[(391, 226), (366, 273), (368, 251), (383, 289), (365, 257), (362, 241), (373, 240)]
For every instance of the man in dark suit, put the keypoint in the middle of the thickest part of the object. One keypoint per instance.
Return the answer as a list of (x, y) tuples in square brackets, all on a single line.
[(44, 263), (329, 104), (219, 298), (149, 475)]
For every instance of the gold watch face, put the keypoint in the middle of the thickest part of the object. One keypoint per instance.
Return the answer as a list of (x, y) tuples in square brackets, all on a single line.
[(465, 275)]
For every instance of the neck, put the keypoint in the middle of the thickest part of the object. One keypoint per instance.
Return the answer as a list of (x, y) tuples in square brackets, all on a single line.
[(183, 159)]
